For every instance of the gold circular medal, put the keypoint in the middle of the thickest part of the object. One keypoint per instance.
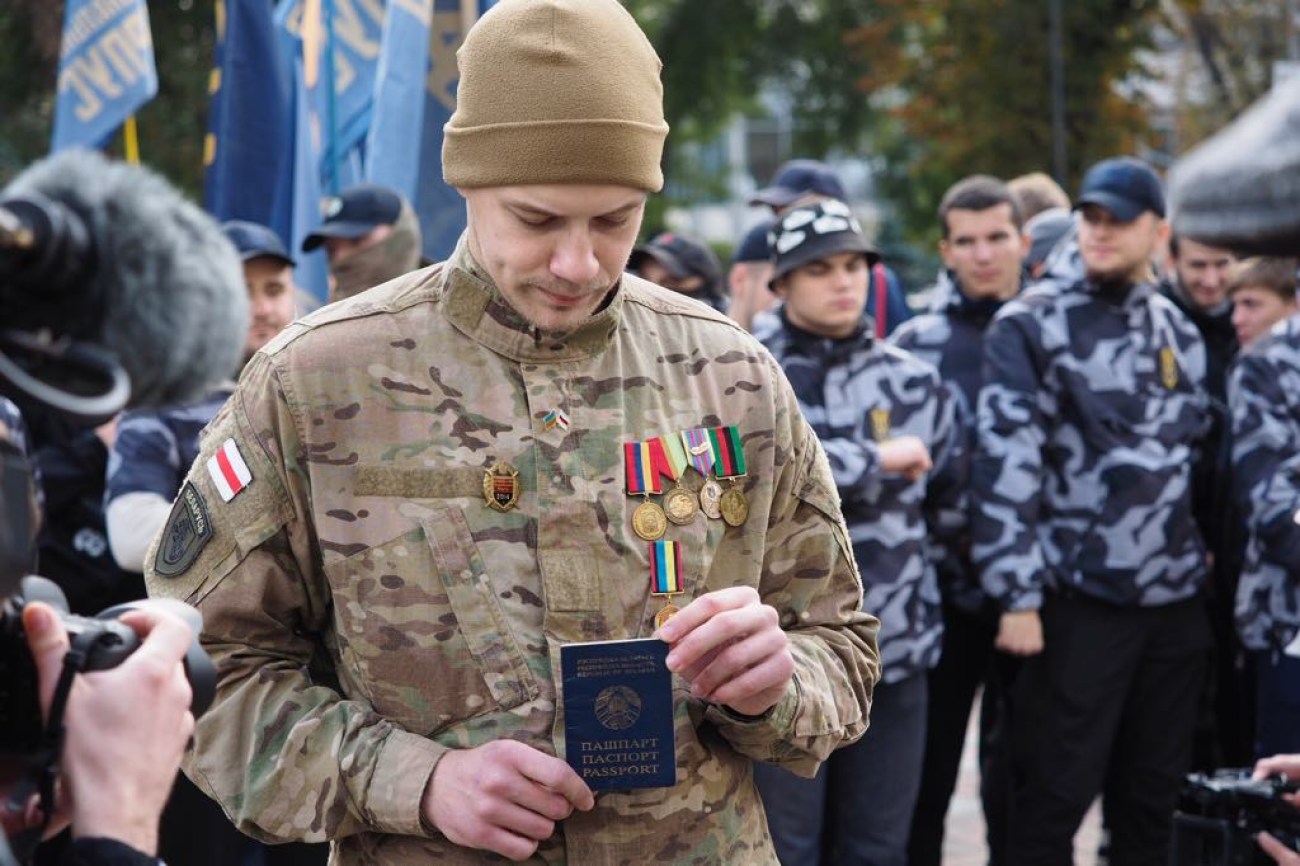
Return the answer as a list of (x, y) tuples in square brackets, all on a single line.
[(710, 496), (664, 615), (734, 506), (648, 521), (679, 505)]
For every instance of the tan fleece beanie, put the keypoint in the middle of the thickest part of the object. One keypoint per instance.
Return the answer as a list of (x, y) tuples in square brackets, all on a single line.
[(556, 91)]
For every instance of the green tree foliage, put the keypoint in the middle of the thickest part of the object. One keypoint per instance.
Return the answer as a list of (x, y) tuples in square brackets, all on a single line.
[(1233, 47), (967, 83)]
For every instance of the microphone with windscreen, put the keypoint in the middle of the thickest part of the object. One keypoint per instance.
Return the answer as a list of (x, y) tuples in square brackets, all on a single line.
[(115, 291)]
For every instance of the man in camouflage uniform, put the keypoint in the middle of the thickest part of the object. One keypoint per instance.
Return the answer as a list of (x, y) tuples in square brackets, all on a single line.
[(898, 458), (1089, 423), (417, 495), (1266, 429), (982, 250)]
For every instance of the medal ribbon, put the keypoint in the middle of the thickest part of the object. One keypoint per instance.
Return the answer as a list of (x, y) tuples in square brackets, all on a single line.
[(700, 449), (665, 568), (728, 455), (639, 460), (671, 456)]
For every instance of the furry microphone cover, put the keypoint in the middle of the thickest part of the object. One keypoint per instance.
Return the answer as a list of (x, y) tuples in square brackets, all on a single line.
[(175, 310), (1241, 188)]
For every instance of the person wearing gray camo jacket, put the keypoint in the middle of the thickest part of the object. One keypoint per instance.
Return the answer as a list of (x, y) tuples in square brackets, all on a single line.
[(1262, 392), (888, 424), (983, 251), (1090, 421)]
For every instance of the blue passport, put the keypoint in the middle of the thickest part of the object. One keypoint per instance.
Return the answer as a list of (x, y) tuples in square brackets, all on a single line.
[(618, 713)]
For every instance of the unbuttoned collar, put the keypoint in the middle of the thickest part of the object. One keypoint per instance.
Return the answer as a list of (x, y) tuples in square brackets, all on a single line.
[(476, 308)]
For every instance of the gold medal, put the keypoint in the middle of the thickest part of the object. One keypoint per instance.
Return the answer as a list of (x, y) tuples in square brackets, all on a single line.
[(680, 506), (648, 521), (734, 506), (665, 613), (710, 497)]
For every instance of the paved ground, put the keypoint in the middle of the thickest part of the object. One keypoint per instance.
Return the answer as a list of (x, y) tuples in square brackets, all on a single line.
[(963, 841)]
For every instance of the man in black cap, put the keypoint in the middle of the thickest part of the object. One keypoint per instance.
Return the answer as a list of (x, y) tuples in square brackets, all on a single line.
[(1090, 421), (801, 182), (370, 234), (682, 264)]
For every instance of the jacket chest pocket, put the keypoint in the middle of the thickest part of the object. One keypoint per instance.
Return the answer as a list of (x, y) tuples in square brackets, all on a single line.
[(422, 634)]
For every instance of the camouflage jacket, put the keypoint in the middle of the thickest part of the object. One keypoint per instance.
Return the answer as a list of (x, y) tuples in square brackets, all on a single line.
[(950, 337), (1089, 422), (856, 393), (1264, 394), (368, 611), (154, 449)]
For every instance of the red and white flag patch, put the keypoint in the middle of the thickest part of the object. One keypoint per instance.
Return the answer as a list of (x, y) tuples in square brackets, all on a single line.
[(229, 471)]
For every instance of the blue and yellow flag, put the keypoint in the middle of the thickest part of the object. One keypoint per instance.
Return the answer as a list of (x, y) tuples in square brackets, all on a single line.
[(391, 155), (250, 120), (106, 70), (441, 209)]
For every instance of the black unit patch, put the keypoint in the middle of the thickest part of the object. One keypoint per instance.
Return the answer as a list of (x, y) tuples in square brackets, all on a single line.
[(187, 532)]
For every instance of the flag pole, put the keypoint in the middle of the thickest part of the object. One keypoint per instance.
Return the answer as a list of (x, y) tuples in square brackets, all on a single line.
[(331, 102), (130, 141)]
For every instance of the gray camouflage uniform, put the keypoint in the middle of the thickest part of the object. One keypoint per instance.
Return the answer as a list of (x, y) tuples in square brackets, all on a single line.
[(363, 540), (897, 525), (1264, 394), (1089, 422)]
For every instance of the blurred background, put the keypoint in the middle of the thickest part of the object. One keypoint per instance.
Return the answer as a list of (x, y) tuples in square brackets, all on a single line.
[(901, 97)]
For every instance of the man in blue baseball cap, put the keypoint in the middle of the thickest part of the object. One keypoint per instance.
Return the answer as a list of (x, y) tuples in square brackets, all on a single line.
[(1091, 425), (800, 181), (268, 274), (371, 235)]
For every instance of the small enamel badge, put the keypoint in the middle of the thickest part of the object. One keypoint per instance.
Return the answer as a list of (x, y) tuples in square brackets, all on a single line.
[(1168, 368), (556, 418), (229, 472), (501, 486), (880, 424)]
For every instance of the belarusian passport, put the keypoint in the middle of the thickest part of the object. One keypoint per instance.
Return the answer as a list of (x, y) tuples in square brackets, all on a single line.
[(618, 713)]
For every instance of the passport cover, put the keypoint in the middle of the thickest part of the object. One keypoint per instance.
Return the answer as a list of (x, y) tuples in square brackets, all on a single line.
[(618, 713)]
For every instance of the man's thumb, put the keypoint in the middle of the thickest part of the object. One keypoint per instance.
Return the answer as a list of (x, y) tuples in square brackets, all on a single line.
[(48, 643)]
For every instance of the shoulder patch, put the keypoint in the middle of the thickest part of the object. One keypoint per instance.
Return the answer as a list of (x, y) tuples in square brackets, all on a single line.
[(187, 532)]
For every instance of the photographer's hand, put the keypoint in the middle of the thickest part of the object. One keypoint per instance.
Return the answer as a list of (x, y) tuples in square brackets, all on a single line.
[(126, 728), (1279, 852)]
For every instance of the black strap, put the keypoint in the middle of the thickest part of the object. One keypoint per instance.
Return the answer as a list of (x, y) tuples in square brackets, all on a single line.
[(43, 764)]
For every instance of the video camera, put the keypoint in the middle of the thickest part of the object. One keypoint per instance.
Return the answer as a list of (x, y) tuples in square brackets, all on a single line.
[(1220, 814)]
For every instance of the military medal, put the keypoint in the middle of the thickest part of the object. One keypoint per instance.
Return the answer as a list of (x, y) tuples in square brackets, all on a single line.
[(648, 519), (729, 462), (670, 460), (501, 486), (665, 576), (699, 451)]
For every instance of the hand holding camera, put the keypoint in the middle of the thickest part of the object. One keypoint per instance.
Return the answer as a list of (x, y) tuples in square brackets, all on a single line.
[(117, 729)]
